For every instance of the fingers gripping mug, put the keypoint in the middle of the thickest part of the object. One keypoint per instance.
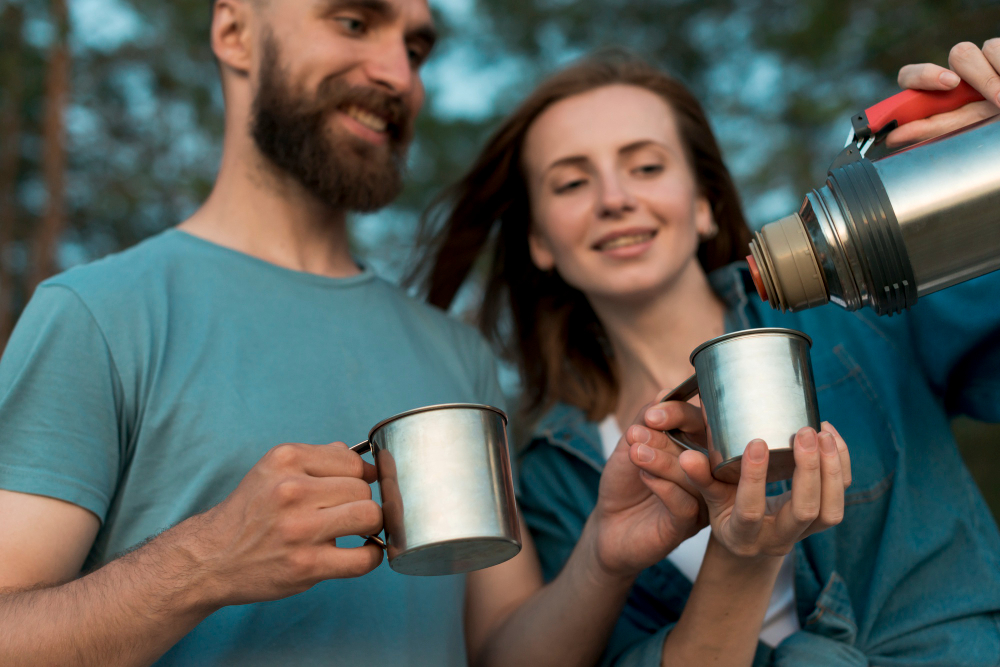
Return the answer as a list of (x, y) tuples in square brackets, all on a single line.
[(447, 490), (756, 383)]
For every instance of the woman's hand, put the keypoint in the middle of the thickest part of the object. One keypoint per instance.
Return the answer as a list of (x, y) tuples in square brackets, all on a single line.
[(979, 67), (739, 512), (640, 518)]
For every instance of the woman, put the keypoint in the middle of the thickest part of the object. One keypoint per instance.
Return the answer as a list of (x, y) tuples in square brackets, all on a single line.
[(617, 253)]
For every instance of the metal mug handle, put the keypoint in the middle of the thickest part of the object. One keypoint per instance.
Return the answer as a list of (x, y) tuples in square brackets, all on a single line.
[(683, 392), (364, 448)]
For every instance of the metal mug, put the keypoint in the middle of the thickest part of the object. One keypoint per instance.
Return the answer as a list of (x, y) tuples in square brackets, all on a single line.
[(756, 383), (447, 490)]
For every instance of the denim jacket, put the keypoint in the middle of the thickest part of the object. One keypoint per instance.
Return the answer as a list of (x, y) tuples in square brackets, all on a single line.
[(911, 577)]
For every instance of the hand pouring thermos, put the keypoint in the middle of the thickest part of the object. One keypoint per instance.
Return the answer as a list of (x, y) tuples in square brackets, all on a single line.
[(884, 232)]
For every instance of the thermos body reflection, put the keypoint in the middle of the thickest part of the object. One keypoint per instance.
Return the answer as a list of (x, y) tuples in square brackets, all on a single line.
[(946, 198)]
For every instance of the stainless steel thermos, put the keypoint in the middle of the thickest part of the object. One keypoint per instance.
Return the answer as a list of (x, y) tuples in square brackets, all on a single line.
[(882, 233)]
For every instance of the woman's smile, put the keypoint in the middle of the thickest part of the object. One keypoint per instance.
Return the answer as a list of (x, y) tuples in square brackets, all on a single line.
[(626, 243), (616, 207)]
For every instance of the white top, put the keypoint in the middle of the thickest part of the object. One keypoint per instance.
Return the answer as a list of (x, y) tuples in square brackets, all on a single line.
[(780, 619)]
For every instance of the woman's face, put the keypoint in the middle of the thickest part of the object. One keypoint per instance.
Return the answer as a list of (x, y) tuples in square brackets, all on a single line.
[(615, 206)]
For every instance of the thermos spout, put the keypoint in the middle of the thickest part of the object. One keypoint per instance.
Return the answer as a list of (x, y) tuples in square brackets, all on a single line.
[(784, 266)]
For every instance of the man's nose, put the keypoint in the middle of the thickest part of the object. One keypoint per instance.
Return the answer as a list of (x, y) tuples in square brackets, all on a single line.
[(389, 67), (614, 199)]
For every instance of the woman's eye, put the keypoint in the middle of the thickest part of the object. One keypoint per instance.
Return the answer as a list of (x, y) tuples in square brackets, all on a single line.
[(352, 25), (569, 186), (649, 169)]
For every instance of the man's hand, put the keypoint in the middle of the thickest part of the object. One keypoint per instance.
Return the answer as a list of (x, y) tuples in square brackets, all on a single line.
[(979, 67), (739, 512), (275, 534), (641, 517)]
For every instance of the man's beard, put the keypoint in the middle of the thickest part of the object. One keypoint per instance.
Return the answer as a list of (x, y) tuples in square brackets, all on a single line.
[(342, 170)]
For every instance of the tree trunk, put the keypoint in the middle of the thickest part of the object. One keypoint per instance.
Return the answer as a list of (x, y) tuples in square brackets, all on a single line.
[(54, 148), (12, 85)]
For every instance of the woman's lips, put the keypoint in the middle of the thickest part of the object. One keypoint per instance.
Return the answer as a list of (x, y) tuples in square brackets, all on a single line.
[(626, 245), (626, 240)]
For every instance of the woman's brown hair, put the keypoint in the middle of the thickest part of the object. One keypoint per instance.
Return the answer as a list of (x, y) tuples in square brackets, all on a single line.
[(558, 343)]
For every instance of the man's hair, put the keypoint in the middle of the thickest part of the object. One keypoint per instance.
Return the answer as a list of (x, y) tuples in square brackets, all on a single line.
[(557, 341)]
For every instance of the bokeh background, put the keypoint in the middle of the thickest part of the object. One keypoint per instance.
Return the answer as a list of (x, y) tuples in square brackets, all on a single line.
[(111, 112)]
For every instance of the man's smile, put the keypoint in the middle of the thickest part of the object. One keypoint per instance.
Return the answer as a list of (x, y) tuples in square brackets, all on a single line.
[(365, 124)]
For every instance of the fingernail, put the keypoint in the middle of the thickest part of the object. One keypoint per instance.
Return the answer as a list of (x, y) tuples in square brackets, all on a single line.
[(640, 434), (756, 450), (949, 78), (656, 415), (644, 454), (827, 443), (998, 99), (807, 440)]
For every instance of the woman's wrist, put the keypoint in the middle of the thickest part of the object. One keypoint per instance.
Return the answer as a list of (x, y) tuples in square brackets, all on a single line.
[(728, 564), (722, 618), (598, 570)]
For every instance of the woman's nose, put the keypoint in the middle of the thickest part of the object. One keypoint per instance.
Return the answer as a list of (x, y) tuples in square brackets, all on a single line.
[(614, 199)]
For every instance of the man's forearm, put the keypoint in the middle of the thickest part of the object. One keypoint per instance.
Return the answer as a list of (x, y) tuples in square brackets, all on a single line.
[(132, 610), (128, 612), (566, 623)]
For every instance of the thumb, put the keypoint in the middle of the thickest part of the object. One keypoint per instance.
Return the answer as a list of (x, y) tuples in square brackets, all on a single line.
[(699, 471)]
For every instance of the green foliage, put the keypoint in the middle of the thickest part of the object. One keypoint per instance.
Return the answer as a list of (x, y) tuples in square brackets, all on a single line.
[(827, 60), (779, 78)]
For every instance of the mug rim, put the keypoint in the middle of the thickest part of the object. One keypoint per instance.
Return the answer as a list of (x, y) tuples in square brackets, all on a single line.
[(440, 406), (765, 331)]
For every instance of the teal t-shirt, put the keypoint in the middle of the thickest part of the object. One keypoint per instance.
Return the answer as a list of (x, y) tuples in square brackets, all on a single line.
[(144, 386)]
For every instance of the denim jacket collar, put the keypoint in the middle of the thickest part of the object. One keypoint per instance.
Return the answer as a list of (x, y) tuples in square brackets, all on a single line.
[(567, 428)]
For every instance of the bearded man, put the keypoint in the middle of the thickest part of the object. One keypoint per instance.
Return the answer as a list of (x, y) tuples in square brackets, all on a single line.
[(139, 390)]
